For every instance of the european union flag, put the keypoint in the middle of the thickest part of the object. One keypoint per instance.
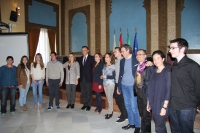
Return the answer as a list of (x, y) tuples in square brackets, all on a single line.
[(135, 44)]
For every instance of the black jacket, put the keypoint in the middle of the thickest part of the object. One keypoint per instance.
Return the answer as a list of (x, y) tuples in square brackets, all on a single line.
[(86, 70), (97, 73)]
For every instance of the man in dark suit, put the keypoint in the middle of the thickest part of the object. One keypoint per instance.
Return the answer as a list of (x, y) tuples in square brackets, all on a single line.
[(86, 65)]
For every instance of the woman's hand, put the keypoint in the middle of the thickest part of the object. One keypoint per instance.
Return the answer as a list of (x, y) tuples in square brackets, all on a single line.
[(35, 82), (99, 86), (104, 76), (20, 86), (162, 112), (39, 82)]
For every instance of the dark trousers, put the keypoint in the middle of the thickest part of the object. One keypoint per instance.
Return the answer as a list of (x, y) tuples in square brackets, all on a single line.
[(120, 103), (71, 93), (86, 93), (182, 121), (98, 98), (160, 123), (144, 114), (54, 89), (4, 95)]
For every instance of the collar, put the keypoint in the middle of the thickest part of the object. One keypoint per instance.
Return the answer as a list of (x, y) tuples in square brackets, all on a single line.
[(129, 57), (183, 60), (54, 61), (85, 56), (9, 67)]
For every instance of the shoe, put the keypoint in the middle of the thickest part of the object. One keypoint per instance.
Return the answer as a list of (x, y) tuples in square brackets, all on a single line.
[(22, 108), (118, 117), (72, 106), (137, 130), (3, 115), (35, 107), (99, 112), (40, 107), (88, 108), (120, 120), (68, 106), (50, 107), (96, 110), (27, 108), (84, 107), (108, 116), (57, 106), (12, 113), (128, 126)]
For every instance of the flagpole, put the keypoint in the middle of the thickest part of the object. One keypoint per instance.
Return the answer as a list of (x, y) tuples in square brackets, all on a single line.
[(135, 29)]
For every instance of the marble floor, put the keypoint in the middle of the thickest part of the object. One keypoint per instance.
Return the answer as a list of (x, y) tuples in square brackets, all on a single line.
[(64, 120)]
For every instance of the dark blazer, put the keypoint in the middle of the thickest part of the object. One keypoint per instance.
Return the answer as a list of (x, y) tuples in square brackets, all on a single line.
[(98, 72), (121, 71), (86, 70)]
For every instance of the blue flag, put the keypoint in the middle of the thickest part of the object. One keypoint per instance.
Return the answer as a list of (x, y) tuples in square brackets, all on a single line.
[(135, 44)]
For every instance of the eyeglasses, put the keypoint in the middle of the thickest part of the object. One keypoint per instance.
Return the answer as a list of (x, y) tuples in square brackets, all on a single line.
[(172, 48), (139, 54)]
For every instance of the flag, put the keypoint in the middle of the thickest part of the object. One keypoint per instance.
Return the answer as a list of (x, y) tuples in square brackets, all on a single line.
[(128, 39), (114, 42), (135, 44), (120, 40)]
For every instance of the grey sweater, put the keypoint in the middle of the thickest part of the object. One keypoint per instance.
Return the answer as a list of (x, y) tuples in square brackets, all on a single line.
[(73, 73), (54, 71)]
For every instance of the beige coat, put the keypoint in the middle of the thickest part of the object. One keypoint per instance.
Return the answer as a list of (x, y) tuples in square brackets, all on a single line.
[(21, 77)]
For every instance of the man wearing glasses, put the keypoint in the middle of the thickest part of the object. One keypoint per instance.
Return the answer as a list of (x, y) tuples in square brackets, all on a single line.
[(185, 91)]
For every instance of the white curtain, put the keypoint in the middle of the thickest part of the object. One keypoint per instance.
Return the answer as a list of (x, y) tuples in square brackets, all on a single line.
[(43, 46)]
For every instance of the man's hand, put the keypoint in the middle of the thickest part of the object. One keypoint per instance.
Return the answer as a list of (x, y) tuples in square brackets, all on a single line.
[(60, 84), (47, 83), (148, 108), (76, 82), (149, 63)]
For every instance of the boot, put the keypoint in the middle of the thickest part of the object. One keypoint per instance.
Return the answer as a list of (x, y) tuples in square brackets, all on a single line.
[(27, 108), (22, 108)]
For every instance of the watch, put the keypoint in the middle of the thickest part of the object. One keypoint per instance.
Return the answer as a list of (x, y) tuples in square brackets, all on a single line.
[(164, 108)]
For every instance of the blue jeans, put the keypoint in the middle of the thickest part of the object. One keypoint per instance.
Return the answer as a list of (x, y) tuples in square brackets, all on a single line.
[(4, 95), (39, 87), (130, 102), (98, 97), (182, 121), (23, 93)]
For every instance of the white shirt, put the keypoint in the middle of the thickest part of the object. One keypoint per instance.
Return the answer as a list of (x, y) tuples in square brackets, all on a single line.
[(37, 72), (84, 57)]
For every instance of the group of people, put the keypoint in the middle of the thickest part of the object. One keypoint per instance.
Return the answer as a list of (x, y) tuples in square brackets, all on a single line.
[(12, 77), (142, 89)]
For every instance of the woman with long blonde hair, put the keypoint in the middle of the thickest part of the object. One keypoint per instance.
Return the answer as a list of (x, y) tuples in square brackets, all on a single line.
[(37, 75)]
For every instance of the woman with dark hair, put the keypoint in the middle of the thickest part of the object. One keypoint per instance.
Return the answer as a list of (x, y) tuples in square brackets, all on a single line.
[(97, 85), (108, 77), (37, 75), (23, 78), (72, 69), (159, 91)]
